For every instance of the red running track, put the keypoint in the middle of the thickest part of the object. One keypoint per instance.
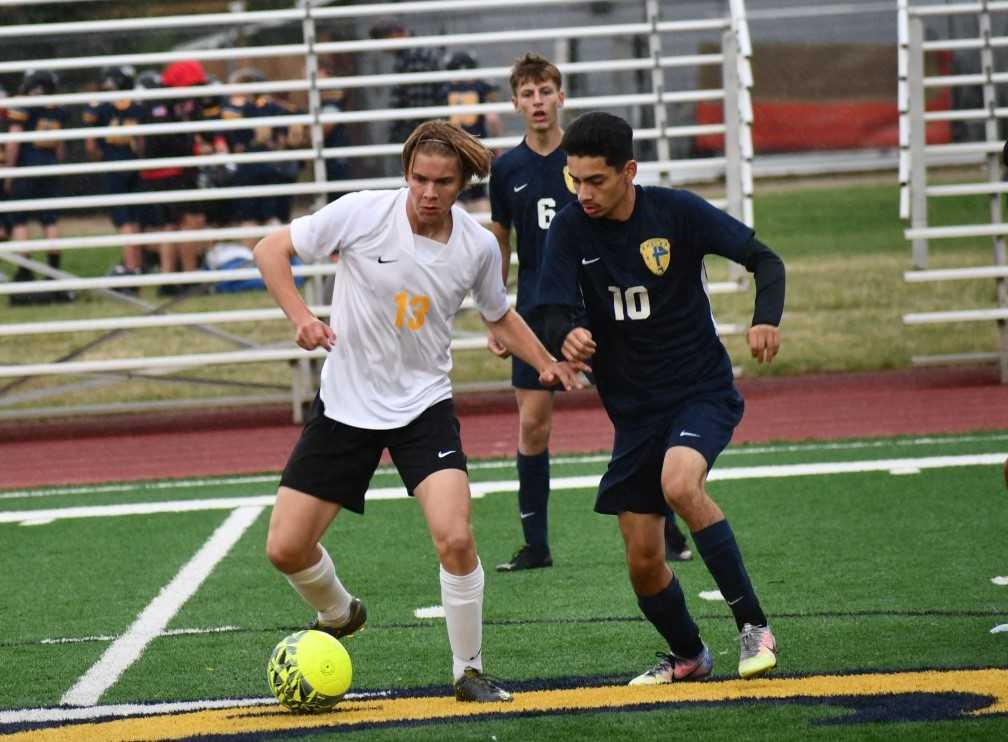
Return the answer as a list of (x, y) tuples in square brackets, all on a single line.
[(824, 406)]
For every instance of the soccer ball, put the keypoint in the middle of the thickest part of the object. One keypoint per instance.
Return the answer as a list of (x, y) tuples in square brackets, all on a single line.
[(309, 671)]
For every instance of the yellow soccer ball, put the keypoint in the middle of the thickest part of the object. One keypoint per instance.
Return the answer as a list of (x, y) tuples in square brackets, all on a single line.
[(309, 671)]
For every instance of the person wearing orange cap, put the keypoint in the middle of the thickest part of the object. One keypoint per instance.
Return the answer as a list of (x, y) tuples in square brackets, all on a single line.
[(186, 215)]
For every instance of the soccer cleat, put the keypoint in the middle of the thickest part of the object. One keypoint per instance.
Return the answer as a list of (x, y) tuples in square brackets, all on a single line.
[(475, 686), (527, 557), (677, 552), (759, 651), (674, 669), (358, 615), (676, 547)]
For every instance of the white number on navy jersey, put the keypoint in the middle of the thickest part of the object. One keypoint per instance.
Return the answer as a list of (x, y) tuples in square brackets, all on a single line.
[(633, 303), (546, 207)]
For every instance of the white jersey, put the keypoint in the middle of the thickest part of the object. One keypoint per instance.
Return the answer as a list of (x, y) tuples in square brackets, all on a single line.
[(395, 297)]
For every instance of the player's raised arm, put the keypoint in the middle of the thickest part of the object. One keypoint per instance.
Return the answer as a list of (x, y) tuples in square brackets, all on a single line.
[(273, 255)]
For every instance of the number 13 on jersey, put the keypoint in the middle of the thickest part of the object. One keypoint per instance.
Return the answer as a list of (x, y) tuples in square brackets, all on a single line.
[(405, 302)]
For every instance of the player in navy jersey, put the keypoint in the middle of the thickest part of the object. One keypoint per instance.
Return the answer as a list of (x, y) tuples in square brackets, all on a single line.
[(116, 148), (622, 288), (38, 152), (528, 185)]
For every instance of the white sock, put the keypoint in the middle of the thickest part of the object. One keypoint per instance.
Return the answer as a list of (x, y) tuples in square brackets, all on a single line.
[(321, 589), (462, 598)]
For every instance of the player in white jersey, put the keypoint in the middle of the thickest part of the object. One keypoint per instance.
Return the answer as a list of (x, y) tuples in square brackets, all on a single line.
[(407, 259)]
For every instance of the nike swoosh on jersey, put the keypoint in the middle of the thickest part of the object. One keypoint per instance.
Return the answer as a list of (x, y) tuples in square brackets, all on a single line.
[(384, 260), (520, 188), (687, 434), (442, 454), (587, 261)]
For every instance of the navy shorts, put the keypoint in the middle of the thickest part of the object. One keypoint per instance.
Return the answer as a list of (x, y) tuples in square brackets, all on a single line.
[(160, 215), (632, 483), (118, 183), (524, 376), (46, 186), (335, 462)]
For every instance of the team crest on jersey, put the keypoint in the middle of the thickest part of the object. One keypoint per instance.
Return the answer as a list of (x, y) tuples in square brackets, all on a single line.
[(655, 252), (568, 180)]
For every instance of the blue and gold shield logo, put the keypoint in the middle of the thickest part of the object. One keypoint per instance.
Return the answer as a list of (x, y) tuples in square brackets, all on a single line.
[(568, 180), (655, 252)]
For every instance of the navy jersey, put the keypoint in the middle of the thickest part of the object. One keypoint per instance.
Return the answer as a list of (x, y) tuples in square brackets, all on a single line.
[(48, 118), (641, 282), (470, 93), (526, 192), (238, 139), (119, 113)]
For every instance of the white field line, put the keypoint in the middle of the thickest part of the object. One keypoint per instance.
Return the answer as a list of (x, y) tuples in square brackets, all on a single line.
[(496, 464), (126, 710), (153, 620), (170, 632), (480, 489)]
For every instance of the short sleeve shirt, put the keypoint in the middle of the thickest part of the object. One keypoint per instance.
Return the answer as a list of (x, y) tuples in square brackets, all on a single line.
[(395, 297), (526, 191), (48, 118)]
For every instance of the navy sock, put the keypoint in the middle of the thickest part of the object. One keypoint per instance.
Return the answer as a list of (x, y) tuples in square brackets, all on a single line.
[(666, 610), (717, 546), (533, 494)]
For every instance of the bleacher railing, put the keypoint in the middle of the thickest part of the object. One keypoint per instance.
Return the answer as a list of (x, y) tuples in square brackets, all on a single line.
[(916, 40), (648, 109)]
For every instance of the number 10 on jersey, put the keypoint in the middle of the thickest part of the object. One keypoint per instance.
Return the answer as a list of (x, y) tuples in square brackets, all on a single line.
[(633, 303)]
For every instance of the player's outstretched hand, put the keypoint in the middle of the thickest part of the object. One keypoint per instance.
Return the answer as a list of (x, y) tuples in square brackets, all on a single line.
[(496, 347), (764, 342), (564, 373), (315, 333), (578, 346)]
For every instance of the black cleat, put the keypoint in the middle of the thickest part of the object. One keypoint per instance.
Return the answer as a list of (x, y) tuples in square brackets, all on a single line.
[(358, 615), (676, 547), (474, 686), (527, 557)]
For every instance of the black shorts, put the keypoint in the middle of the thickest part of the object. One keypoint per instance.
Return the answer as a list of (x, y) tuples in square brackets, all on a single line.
[(632, 483), (335, 462)]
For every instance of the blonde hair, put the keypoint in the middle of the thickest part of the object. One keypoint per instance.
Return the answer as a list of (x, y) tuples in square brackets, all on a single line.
[(448, 140)]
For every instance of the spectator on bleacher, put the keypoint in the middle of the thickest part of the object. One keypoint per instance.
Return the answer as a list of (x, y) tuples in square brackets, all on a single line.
[(333, 134), (468, 91), (117, 148), (35, 153), (185, 215), (259, 210), (413, 95), (4, 216)]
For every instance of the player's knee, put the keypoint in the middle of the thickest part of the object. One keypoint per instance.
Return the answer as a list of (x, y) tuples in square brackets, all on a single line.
[(645, 562), (454, 545), (535, 432), (679, 489), (285, 555)]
